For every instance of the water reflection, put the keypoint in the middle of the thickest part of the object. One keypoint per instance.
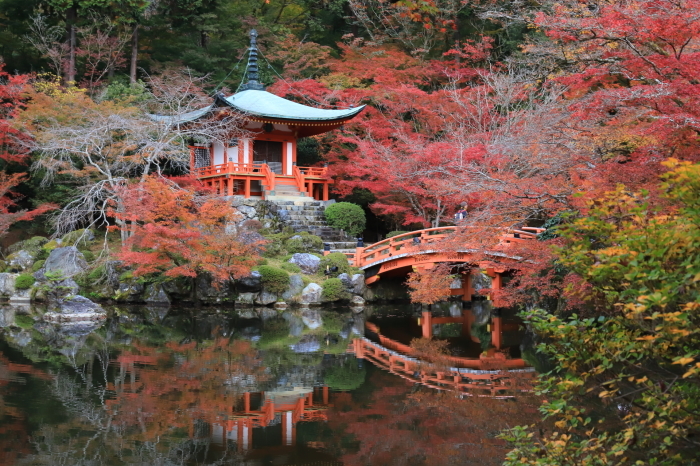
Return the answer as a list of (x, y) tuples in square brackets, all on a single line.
[(255, 387)]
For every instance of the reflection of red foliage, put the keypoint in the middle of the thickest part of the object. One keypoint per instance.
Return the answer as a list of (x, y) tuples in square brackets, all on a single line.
[(159, 389), (14, 431), (399, 425)]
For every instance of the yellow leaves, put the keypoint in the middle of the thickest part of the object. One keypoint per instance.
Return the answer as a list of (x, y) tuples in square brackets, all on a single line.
[(695, 371), (606, 394), (683, 361)]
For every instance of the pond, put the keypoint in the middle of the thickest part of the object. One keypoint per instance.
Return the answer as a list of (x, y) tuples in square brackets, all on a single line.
[(162, 386)]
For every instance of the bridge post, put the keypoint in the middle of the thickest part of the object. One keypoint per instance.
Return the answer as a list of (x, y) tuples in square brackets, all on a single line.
[(426, 323), (496, 332)]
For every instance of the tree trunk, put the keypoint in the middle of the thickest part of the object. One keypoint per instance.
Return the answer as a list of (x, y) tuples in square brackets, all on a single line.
[(134, 53), (71, 18)]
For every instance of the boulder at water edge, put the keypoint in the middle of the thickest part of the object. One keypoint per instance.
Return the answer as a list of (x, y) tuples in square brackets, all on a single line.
[(311, 294), (308, 263), (296, 286), (76, 309)]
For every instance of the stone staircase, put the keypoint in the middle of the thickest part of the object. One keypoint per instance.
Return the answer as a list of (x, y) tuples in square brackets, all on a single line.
[(306, 214), (286, 189)]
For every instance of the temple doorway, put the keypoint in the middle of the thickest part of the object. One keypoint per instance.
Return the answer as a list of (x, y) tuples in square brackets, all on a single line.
[(269, 152)]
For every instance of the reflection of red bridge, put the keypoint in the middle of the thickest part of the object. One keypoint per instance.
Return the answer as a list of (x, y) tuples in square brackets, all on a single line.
[(293, 406), (400, 254), (495, 378)]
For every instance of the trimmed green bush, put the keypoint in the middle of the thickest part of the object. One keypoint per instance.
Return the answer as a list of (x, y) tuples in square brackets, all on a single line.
[(50, 246), (391, 234), (304, 242), (335, 259), (289, 267), (43, 254), (334, 290), (37, 265), (347, 217), (274, 280), (24, 281)]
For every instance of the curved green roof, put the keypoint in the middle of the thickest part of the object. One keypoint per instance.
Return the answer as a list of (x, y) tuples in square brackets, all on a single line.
[(264, 104)]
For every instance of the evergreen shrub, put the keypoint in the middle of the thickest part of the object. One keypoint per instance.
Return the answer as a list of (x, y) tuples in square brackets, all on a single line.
[(24, 281), (334, 290), (273, 279), (335, 259), (304, 242), (37, 265), (289, 267), (347, 217)]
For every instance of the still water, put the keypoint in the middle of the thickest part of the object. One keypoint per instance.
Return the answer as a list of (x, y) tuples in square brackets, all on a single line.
[(159, 386)]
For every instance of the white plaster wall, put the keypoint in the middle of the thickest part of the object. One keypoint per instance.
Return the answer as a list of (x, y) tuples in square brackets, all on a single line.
[(232, 153), (246, 150), (289, 158), (218, 152)]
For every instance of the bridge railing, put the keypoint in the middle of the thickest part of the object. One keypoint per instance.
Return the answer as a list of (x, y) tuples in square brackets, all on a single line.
[(403, 243)]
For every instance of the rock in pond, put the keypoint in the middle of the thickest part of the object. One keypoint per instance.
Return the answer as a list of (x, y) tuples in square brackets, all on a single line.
[(308, 263), (358, 283), (252, 282), (311, 294), (76, 309)]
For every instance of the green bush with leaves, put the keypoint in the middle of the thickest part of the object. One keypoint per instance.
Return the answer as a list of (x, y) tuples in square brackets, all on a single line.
[(347, 217), (334, 290), (24, 281), (291, 268), (273, 279), (303, 242), (628, 361), (38, 265), (88, 255), (335, 259)]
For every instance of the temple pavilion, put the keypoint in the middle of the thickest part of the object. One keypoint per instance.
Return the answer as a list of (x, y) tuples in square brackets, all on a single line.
[(264, 163)]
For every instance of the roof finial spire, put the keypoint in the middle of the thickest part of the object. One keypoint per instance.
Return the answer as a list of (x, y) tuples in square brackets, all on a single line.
[(252, 70)]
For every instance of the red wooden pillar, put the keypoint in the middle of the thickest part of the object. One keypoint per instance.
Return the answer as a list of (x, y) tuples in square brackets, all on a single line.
[(325, 394), (247, 188), (230, 186), (467, 289), (325, 191), (496, 331), (246, 402), (426, 323), (311, 189)]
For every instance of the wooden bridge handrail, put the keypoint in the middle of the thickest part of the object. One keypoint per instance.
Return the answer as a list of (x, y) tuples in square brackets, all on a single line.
[(383, 249)]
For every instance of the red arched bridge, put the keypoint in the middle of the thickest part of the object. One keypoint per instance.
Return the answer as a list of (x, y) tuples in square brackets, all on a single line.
[(400, 254)]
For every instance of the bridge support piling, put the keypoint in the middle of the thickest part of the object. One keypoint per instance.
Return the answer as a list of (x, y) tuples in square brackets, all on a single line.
[(426, 323)]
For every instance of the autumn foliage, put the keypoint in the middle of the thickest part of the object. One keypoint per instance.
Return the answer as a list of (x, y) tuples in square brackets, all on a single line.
[(178, 231)]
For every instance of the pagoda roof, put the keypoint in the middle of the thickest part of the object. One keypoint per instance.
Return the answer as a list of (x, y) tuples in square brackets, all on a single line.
[(262, 104), (266, 105)]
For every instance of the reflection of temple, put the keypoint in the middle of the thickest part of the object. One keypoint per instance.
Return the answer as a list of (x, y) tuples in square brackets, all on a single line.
[(278, 409)]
